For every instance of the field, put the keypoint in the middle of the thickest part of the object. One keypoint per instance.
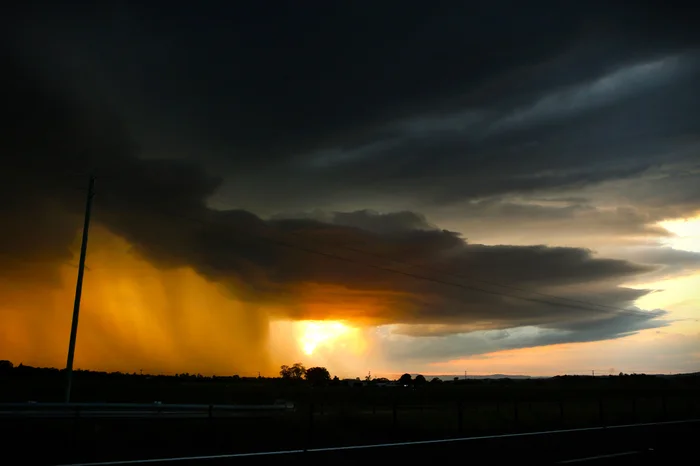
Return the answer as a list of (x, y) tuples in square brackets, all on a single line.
[(330, 415)]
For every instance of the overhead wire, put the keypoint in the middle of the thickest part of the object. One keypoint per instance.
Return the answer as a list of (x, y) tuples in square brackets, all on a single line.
[(467, 277), (573, 303)]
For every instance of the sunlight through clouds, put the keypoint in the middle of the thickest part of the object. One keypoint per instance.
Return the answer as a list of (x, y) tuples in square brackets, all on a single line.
[(687, 233), (335, 344), (313, 335)]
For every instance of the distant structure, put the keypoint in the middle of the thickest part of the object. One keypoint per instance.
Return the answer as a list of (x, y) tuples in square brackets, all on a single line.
[(354, 382)]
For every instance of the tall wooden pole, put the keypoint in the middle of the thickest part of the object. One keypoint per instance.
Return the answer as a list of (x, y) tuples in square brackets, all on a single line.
[(79, 289)]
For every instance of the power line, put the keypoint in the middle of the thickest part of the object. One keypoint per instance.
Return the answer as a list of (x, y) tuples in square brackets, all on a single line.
[(546, 295), (285, 244), (434, 280)]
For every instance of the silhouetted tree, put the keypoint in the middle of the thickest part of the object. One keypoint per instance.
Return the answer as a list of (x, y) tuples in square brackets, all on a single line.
[(405, 379), (435, 380), (318, 375), (419, 380), (294, 372), (6, 366)]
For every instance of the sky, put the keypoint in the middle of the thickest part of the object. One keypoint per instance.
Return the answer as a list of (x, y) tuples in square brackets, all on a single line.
[(425, 187)]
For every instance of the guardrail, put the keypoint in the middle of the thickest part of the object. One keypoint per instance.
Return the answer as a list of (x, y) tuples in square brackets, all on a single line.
[(32, 409)]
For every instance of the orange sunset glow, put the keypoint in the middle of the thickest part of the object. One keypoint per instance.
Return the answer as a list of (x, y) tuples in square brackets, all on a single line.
[(135, 316)]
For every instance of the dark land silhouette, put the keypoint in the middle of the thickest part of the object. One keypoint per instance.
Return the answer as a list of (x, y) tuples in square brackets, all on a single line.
[(22, 383), (321, 410)]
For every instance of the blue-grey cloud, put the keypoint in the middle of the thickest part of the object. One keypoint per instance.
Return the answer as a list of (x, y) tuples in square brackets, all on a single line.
[(452, 346)]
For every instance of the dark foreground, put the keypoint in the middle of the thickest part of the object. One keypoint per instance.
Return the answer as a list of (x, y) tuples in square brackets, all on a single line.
[(627, 445)]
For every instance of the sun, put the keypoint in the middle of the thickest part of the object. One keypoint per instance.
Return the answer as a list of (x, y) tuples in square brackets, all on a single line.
[(313, 335)]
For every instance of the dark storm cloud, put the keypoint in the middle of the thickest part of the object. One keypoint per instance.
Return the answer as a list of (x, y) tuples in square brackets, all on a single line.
[(404, 102), (159, 207), (428, 101), (534, 217), (571, 148)]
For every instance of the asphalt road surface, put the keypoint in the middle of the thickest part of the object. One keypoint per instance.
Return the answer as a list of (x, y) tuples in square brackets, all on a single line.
[(645, 444)]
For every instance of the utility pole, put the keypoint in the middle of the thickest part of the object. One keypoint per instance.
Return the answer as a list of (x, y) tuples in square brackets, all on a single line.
[(79, 288), (465, 375)]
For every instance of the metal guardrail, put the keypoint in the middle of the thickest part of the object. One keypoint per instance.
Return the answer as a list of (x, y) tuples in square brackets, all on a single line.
[(156, 405), (32, 409)]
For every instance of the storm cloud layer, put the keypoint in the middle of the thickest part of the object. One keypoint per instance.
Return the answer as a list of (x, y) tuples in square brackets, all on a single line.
[(208, 131), (408, 105)]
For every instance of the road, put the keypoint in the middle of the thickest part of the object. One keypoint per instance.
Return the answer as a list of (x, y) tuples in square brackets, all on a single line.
[(643, 444)]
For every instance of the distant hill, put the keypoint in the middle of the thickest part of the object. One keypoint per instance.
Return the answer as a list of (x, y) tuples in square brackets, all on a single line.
[(481, 377), (526, 377), (691, 374)]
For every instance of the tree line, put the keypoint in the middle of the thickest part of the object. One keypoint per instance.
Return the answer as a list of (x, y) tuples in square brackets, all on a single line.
[(321, 376)]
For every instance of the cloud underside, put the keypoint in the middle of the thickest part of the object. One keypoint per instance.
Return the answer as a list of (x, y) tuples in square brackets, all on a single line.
[(409, 344)]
